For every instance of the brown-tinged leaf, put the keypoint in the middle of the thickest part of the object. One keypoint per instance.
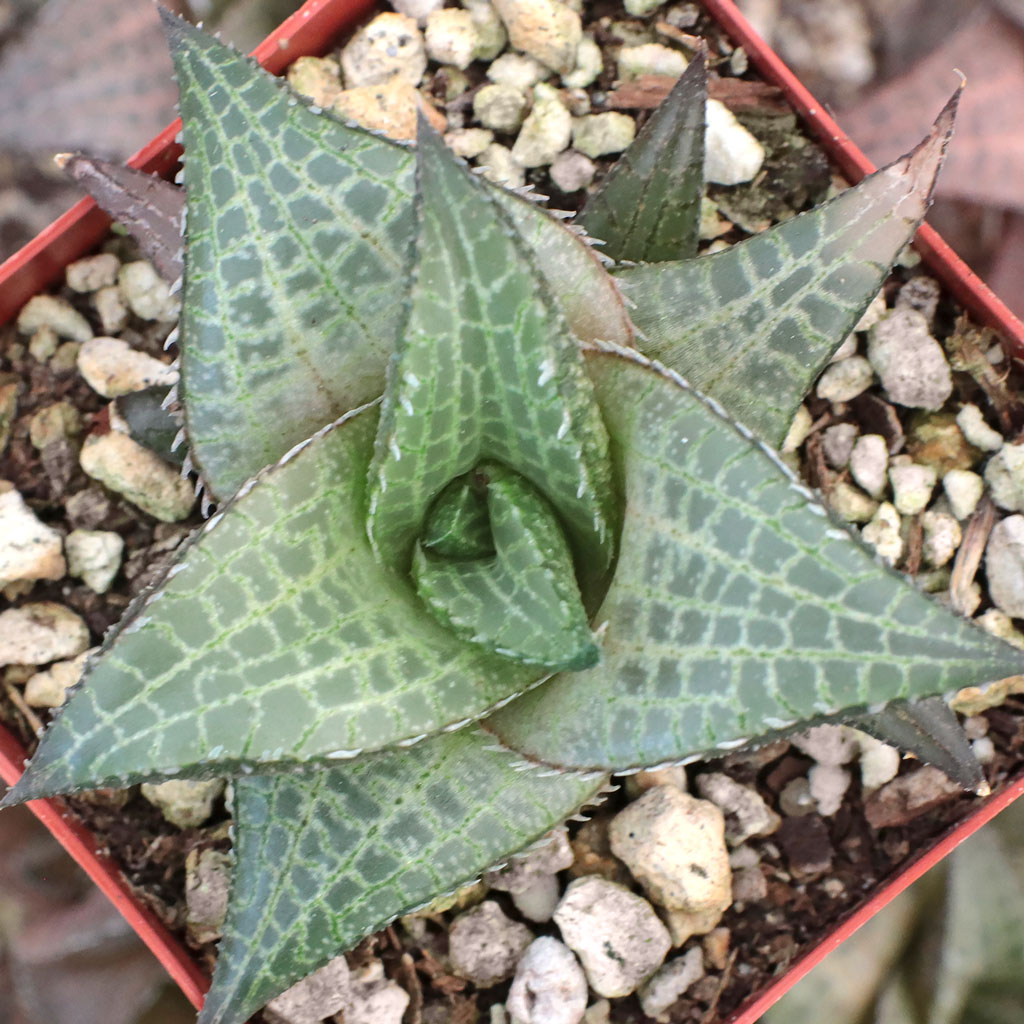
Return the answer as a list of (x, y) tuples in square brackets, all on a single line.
[(90, 75), (149, 207)]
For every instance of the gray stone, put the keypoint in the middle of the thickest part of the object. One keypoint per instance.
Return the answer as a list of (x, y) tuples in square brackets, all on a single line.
[(972, 423), (664, 988), (572, 171), (111, 367), (29, 550), (389, 46), (546, 130), (1004, 564), (837, 444), (616, 934), (545, 29), (49, 688), (602, 134), (139, 475), (57, 314), (451, 37), (674, 844), (92, 272), (147, 294), (186, 803), (869, 462), (207, 885), (500, 107), (94, 556), (41, 632), (912, 485), (323, 993), (650, 59), (732, 154), (920, 293), (538, 899), (549, 985), (746, 813), (909, 362), (963, 489), (589, 64), (749, 885), (1004, 475), (484, 946), (845, 380)]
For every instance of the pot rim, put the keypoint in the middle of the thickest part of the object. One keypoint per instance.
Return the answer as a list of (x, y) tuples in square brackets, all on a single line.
[(308, 31)]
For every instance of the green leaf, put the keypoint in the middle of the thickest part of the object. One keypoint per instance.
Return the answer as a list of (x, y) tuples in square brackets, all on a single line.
[(932, 732), (648, 205), (277, 640), (754, 325), (487, 369), (327, 857), (299, 234), (523, 601), (737, 605)]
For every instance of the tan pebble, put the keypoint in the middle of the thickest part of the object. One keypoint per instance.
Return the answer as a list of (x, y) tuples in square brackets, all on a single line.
[(41, 632), (55, 313), (29, 549), (92, 272), (389, 108), (544, 29), (49, 689), (390, 46), (319, 78), (112, 368)]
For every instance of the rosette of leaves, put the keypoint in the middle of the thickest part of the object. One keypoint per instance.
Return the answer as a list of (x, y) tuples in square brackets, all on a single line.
[(479, 544)]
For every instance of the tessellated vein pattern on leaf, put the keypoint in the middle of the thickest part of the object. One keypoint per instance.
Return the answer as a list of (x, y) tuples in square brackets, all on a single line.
[(326, 857), (754, 325), (279, 639), (737, 606)]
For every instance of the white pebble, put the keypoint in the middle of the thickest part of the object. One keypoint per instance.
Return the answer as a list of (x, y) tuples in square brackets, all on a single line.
[(111, 367), (942, 536), (883, 533), (842, 381), (1004, 475), (670, 982), (546, 130), (869, 462), (41, 632), (95, 557), (549, 986), (451, 37), (29, 549), (972, 424), (909, 362), (545, 29), (389, 46), (963, 489), (912, 485), (1004, 564), (731, 153)]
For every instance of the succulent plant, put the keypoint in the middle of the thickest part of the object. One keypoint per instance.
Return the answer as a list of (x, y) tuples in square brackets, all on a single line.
[(478, 542)]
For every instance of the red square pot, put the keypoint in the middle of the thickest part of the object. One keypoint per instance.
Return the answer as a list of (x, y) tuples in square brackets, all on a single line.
[(312, 30)]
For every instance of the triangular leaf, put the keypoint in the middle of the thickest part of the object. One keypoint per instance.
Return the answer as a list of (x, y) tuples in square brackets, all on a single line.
[(931, 731), (754, 325), (299, 231), (736, 607), (277, 639), (324, 858), (647, 208), (487, 368)]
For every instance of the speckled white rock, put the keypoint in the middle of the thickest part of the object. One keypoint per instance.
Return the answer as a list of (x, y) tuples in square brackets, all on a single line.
[(732, 154), (572, 171), (491, 36), (650, 59), (110, 308), (972, 424), (389, 46), (29, 549), (92, 272), (909, 362), (41, 632), (883, 533), (589, 64), (845, 380), (138, 474), (517, 70), (828, 784), (546, 130), (94, 556), (500, 107), (837, 444), (616, 934), (544, 29), (1004, 475), (1004, 565), (602, 134), (417, 9), (674, 844), (549, 986), (49, 688), (912, 485), (468, 143), (485, 946), (828, 744), (323, 993), (942, 536), (451, 37), (112, 367), (55, 313), (373, 998), (500, 167), (186, 803), (670, 982), (746, 813), (963, 489), (869, 462), (850, 503), (548, 858), (147, 294)]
